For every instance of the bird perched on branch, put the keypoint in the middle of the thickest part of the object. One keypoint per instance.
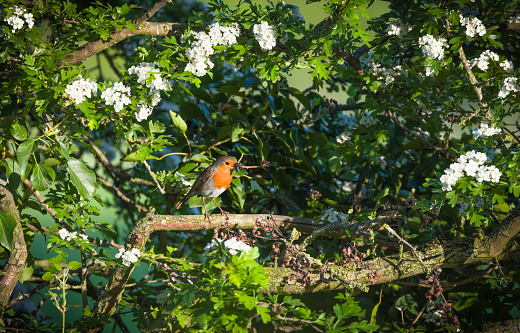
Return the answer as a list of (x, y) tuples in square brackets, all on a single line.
[(213, 181)]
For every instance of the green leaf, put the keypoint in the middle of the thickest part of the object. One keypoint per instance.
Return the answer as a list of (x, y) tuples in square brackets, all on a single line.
[(381, 195), (42, 177), (48, 276), (7, 226), (82, 177), (178, 121), (73, 265), (18, 132), (23, 153)]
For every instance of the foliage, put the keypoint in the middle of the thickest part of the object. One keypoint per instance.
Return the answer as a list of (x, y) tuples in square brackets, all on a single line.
[(422, 141)]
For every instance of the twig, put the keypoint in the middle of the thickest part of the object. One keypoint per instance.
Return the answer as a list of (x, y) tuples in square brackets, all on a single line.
[(28, 294), (153, 177), (123, 196), (387, 227), (83, 278), (48, 11), (417, 136), (39, 197), (418, 315)]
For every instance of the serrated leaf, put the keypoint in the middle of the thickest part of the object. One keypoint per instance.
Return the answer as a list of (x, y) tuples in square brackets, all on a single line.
[(18, 132), (42, 177), (7, 226), (178, 121), (82, 177)]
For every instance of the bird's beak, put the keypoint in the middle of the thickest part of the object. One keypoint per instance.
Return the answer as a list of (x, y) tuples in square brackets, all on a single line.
[(237, 167)]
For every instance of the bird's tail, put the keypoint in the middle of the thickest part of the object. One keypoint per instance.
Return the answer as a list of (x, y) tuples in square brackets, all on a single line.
[(182, 202)]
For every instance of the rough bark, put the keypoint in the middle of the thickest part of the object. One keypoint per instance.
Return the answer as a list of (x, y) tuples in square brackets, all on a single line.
[(448, 253), (15, 265)]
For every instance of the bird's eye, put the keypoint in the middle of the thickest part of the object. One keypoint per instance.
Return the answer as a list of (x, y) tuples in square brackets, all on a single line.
[(227, 163)]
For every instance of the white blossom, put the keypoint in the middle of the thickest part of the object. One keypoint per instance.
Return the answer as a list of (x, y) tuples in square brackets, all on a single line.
[(81, 89), (471, 165), (482, 62), (232, 245), (367, 120), (265, 34), (118, 96), (202, 48), (485, 131), (66, 235), (181, 177), (331, 215), (507, 65), (508, 86), (473, 26), (16, 19), (129, 256), (398, 29), (431, 47), (343, 137)]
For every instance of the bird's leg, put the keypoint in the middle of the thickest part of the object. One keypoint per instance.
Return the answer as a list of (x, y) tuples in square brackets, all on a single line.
[(206, 215), (221, 210)]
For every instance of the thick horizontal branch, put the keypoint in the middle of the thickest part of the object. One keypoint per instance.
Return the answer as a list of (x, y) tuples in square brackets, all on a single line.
[(147, 28)]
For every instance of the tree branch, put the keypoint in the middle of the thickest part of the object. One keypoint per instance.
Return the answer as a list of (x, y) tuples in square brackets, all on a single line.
[(15, 264)]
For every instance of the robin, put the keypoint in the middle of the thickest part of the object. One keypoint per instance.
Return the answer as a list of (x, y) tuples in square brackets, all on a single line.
[(213, 181)]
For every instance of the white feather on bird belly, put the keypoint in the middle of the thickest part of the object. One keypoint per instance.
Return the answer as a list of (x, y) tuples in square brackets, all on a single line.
[(210, 191)]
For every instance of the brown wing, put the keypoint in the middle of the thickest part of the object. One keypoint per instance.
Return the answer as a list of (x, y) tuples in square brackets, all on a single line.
[(195, 189)]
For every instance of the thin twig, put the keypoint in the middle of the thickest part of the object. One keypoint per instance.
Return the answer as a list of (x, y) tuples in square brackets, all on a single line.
[(418, 315), (28, 294), (153, 177), (50, 12), (123, 196), (417, 136), (387, 227), (39, 197)]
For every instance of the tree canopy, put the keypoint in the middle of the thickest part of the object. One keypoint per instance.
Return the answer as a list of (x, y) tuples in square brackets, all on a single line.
[(380, 149)]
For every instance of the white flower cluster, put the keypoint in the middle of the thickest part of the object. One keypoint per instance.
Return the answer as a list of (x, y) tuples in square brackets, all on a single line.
[(68, 236), (129, 256), (484, 131), (232, 245), (507, 65), (398, 29), (202, 48), (388, 74), (346, 186), (482, 62), (514, 19), (380, 159), (16, 19), (431, 47), (118, 96), (473, 26), (81, 89), (508, 86), (367, 120), (343, 120), (433, 315), (429, 71), (343, 137), (472, 165), (331, 215), (295, 10), (181, 177), (144, 71), (265, 34)]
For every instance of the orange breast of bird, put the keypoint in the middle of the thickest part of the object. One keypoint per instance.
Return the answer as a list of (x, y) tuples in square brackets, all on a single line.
[(223, 177)]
